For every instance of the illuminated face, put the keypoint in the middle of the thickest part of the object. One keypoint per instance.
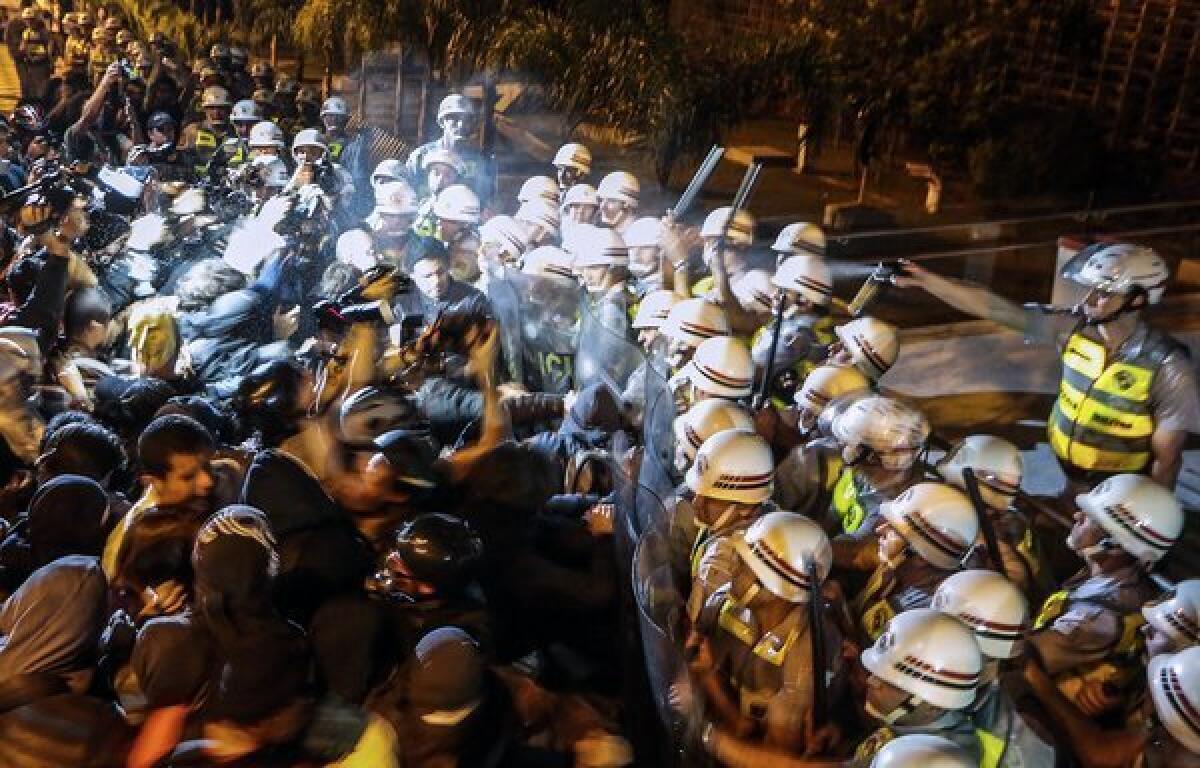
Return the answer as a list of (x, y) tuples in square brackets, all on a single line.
[(161, 136), (568, 177), (187, 483), (643, 260), (432, 278), (613, 212), (464, 265), (242, 127), (455, 127), (1084, 533), (595, 278), (335, 123), (439, 176), (582, 214), (216, 116), (309, 154), (1100, 304), (270, 151), (153, 343), (449, 230), (76, 222)]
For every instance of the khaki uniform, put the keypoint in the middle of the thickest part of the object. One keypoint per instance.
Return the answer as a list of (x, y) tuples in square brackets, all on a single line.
[(770, 669), (1090, 630)]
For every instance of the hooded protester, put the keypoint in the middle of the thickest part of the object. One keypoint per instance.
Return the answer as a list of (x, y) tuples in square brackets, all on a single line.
[(49, 630), (589, 426), (66, 517)]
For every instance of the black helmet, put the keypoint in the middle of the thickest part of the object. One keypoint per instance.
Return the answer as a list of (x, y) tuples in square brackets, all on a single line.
[(267, 398), (160, 120), (411, 454), (439, 549)]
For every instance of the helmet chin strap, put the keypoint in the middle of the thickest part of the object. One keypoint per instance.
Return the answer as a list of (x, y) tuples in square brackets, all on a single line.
[(1101, 547), (902, 709)]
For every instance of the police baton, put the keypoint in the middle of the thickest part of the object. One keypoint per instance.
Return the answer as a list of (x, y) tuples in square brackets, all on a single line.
[(692, 190), (971, 482)]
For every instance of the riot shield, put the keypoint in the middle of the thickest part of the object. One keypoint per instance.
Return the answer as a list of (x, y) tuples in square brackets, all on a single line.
[(605, 353), (657, 478), (660, 611), (539, 322)]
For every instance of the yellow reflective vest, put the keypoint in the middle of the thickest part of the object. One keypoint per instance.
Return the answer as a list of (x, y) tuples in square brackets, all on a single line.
[(1103, 418)]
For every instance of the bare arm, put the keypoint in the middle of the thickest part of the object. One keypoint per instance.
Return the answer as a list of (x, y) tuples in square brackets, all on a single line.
[(971, 299), (95, 103), (1166, 447)]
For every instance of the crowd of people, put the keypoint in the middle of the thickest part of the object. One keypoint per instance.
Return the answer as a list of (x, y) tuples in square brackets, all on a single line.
[(377, 467)]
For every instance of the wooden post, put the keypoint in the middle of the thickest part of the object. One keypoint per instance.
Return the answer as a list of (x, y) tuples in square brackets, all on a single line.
[(274, 51)]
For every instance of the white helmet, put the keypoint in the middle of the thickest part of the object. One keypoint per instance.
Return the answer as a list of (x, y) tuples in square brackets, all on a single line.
[(872, 343), (996, 463), (735, 465), (457, 203), (643, 232), (389, 169), (581, 194), (779, 548), (273, 171), (370, 412), (990, 605), (621, 186), (1140, 516), (936, 520), (246, 111), (539, 187), (740, 231), (1178, 617), (309, 137), (654, 308), (705, 419), (266, 134), (447, 157), (801, 237), (395, 197), (882, 424), (214, 96), (922, 750), (354, 247), (691, 321), (455, 104), (1174, 681), (808, 276), (506, 234), (722, 366), (933, 657), (826, 383), (335, 105), (597, 247), (574, 156), (541, 213), (549, 261), (754, 291), (1121, 268)]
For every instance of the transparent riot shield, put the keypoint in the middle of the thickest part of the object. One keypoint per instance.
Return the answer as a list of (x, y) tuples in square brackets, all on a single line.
[(657, 478), (660, 611), (605, 353), (539, 319)]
